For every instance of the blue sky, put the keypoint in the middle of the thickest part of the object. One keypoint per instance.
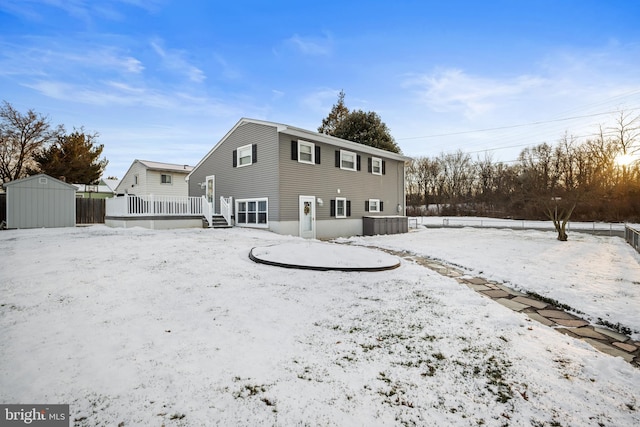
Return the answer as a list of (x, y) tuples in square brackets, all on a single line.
[(164, 80)]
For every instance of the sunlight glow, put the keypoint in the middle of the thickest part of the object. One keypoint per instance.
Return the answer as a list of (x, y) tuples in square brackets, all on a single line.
[(624, 160)]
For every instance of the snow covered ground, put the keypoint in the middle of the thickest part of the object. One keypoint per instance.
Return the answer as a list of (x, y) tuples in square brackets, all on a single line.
[(597, 276), (179, 327)]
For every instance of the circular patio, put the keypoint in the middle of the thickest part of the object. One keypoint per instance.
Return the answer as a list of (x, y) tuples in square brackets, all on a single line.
[(321, 256)]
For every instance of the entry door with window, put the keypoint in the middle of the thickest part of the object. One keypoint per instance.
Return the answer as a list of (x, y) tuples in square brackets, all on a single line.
[(308, 217), (211, 190)]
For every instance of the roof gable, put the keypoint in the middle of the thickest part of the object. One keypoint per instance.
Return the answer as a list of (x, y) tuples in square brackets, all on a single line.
[(38, 176)]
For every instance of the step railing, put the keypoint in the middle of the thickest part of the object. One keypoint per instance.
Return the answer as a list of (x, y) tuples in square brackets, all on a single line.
[(226, 208), (207, 211)]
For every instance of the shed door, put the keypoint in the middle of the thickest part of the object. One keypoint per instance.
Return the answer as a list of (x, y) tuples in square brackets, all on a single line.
[(308, 217)]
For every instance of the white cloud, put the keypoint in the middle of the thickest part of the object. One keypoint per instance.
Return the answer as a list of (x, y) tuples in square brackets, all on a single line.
[(450, 90), (311, 45), (321, 100), (174, 60)]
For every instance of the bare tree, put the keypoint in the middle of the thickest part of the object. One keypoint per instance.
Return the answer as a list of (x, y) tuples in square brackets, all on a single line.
[(21, 137)]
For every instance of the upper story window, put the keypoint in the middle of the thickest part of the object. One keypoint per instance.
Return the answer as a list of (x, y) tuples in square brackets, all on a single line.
[(376, 166), (135, 179), (245, 155), (165, 179), (306, 152), (348, 160)]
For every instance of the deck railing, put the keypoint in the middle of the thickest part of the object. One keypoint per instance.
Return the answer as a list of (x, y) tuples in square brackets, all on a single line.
[(226, 208), (152, 205), (632, 236)]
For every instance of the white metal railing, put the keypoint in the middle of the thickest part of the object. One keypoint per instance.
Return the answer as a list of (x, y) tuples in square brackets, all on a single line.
[(632, 236), (130, 205), (207, 210), (226, 208)]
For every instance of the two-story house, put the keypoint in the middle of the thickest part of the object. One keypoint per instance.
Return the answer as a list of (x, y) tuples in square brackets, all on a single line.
[(298, 182)]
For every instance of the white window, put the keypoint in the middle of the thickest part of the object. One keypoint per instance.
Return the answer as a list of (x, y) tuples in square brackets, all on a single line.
[(348, 160), (374, 205), (252, 212), (376, 166), (341, 207), (165, 179), (306, 152), (244, 156), (135, 180)]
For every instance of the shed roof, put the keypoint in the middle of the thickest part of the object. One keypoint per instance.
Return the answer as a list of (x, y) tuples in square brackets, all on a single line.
[(38, 176)]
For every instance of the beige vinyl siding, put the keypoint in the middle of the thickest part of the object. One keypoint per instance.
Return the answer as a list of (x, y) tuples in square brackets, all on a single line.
[(127, 185), (258, 180), (325, 179), (149, 182), (178, 186)]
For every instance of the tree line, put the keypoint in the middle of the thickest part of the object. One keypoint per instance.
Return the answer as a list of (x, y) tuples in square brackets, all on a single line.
[(594, 179), (29, 145)]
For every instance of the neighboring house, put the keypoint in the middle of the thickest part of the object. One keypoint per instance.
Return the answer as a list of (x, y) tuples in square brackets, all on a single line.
[(104, 190), (145, 178), (297, 182), (40, 201)]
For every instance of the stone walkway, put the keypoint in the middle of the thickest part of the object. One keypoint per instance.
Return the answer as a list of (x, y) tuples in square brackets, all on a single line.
[(601, 338)]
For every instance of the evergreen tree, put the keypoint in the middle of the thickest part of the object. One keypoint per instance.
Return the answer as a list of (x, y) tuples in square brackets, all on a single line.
[(73, 158), (358, 126), (338, 113), (366, 128)]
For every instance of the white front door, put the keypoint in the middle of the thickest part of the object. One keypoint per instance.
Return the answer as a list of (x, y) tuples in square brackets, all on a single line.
[(211, 191), (308, 217)]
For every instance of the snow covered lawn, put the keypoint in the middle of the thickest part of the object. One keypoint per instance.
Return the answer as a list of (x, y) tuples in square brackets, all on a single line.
[(179, 327), (597, 276)]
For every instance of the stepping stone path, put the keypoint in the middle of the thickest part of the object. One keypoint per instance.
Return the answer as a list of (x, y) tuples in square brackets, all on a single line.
[(601, 338)]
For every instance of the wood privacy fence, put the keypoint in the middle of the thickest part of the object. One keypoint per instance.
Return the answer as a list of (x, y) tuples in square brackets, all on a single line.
[(90, 211), (632, 237)]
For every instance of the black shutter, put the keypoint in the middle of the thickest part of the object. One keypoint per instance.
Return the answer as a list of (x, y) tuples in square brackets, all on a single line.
[(337, 158), (369, 165), (294, 150), (333, 208), (235, 158), (381, 206), (357, 161), (366, 206), (254, 153), (348, 207), (317, 154), (383, 168)]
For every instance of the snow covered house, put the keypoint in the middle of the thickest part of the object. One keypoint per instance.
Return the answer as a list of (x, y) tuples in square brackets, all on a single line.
[(298, 182), (145, 177)]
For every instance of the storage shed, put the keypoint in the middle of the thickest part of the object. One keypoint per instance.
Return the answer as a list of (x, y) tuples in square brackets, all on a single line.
[(40, 201)]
